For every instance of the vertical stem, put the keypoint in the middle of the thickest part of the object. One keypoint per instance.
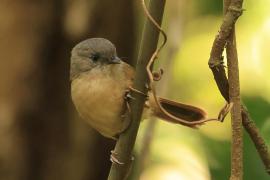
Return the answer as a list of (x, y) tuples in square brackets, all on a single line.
[(257, 139), (216, 64), (234, 96), (125, 144), (234, 93)]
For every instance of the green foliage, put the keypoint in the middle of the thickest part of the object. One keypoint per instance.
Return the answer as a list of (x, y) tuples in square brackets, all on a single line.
[(191, 81), (209, 7)]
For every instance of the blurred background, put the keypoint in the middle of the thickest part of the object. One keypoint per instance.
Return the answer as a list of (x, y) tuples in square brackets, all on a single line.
[(41, 135)]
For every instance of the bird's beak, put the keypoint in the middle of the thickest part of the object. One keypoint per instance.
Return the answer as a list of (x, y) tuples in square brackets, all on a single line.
[(115, 60)]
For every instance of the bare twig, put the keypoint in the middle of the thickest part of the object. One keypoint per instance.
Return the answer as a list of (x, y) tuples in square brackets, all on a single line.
[(258, 141), (216, 59), (234, 94), (216, 65), (125, 144)]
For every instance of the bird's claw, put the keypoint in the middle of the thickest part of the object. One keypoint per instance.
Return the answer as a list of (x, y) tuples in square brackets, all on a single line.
[(137, 91), (128, 96)]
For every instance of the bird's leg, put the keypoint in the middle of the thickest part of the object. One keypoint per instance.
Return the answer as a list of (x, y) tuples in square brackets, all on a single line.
[(126, 121), (127, 98), (127, 110), (138, 91)]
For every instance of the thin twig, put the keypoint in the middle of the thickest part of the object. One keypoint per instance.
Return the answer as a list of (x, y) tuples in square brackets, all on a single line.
[(125, 144), (217, 67), (152, 78), (234, 94), (216, 59), (258, 141)]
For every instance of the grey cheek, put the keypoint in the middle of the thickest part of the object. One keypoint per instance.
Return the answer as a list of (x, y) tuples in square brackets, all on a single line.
[(80, 65)]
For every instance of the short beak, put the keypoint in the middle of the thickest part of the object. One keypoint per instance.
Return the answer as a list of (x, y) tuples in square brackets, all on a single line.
[(115, 60)]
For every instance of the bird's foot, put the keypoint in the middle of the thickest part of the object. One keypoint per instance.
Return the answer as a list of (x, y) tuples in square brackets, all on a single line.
[(138, 91), (127, 98)]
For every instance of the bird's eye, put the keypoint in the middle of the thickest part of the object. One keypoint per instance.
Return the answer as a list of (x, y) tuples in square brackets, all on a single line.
[(95, 57)]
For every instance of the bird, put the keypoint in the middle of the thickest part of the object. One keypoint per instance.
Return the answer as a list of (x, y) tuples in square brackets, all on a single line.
[(99, 82)]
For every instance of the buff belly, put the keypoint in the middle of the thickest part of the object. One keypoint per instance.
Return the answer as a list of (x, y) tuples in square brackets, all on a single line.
[(99, 101)]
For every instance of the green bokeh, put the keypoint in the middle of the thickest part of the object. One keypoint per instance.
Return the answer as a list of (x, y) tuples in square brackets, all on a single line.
[(191, 81)]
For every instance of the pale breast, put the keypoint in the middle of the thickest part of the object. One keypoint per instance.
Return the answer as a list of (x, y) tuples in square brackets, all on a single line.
[(99, 95)]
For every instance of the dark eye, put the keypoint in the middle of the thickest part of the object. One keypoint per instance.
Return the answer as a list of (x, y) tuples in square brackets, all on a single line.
[(95, 57)]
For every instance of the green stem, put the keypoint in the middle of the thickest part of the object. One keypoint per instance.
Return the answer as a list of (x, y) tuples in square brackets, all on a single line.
[(125, 144)]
